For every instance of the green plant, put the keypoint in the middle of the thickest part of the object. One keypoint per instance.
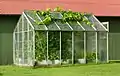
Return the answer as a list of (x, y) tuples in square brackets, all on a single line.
[(40, 46), (67, 16), (54, 46), (91, 56)]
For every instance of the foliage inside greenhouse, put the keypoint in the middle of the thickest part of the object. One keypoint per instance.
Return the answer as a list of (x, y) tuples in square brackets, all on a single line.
[(59, 37)]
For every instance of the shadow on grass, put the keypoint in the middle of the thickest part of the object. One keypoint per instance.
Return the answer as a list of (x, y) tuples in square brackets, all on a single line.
[(1, 74), (68, 65), (61, 66)]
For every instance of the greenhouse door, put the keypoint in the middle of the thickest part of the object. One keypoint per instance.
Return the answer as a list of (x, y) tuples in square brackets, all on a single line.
[(103, 44)]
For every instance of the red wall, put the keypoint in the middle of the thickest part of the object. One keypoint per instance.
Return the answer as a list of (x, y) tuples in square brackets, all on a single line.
[(97, 7)]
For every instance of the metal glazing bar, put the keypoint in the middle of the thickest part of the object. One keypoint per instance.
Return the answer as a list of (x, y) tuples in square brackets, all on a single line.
[(96, 34), (81, 26), (47, 47), (84, 45), (94, 28), (41, 20), (69, 26), (14, 48), (18, 49), (60, 48), (72, 47), (28, 20), (108, 26), (57, 25), (107, 48), (99, 22), (30, 17), (33, 48), (22, 31)]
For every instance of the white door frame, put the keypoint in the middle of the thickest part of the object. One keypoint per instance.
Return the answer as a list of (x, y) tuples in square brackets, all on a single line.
[(107, 23)]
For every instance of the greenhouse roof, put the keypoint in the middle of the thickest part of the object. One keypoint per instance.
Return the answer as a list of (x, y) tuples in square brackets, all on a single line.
[(57, 25)]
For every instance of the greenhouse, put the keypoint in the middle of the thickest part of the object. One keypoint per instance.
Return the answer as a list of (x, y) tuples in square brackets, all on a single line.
[(48, 39)]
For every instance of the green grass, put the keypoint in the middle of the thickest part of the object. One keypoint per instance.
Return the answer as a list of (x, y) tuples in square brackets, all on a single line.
[(86, 70)]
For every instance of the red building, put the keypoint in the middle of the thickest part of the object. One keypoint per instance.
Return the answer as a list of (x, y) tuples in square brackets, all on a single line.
[(98, 7), (10, 10)]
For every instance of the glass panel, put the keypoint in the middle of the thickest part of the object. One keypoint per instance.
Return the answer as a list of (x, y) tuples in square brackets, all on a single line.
[(16, 37), (63, 26), (54, 47), (51, 26), (25, 52), (79, 47), (56, 15), (91, 47), (36, 26), (25, 24), (30, 52), (31, 35), (87, 27), (40, 47), (97, 24), (66, 48), (20, 53), (20, 36), (32, 16), (102, 46), (75, 26), (20, 24), (25, 36), (16, 52), (31, 49)]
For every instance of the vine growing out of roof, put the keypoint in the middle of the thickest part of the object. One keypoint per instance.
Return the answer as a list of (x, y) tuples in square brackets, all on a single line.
[(66, 16)]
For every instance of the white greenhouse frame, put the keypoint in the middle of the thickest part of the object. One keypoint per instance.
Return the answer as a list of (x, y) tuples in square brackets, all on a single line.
[(24, 21)]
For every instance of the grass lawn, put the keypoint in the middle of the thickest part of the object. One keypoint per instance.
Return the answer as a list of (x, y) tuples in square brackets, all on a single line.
[(81, 70)]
